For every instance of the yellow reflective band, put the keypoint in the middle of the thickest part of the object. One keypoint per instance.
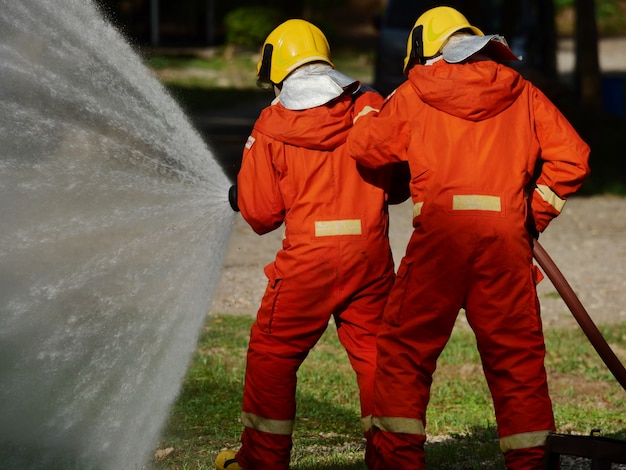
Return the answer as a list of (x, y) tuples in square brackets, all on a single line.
[(366, 423), (523, 440), (550, 197), (329, 228), (476, 202), (250, 142), (273, 426), (417, 209), (399, 425), (364, 111)]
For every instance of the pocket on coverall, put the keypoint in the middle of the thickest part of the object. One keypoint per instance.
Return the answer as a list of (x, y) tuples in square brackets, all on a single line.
[(265, 314)]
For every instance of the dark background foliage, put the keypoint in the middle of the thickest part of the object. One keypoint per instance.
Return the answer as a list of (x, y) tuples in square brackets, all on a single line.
[(591, 99)]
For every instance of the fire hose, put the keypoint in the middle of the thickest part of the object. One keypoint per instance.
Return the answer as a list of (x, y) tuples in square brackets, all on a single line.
[(580, 314)]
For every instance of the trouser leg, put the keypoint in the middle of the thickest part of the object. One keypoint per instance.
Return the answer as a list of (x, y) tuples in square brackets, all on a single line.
[(503, 311), (529, 458), (263, 450), (417, 324), (357, 328), (269, 405), (399, 450)]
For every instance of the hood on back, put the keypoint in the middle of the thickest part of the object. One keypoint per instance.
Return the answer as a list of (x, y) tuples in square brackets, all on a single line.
[(473, 91), (324, 127)]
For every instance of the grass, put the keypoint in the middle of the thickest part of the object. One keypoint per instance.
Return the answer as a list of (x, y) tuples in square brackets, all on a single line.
[(461, 423)]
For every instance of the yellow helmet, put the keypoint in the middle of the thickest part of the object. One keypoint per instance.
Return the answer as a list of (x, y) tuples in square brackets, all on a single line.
[(430, 33), (292, 44)]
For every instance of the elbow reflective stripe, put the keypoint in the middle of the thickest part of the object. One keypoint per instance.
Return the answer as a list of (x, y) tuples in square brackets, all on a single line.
[(417, 209), (250, 142), (524, 440), (399, 425), (550, 197), (273, 426), (364, 111), (328, 228), (476, 202)]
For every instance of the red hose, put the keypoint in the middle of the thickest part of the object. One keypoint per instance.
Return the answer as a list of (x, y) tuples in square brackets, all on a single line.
[(580, 314)]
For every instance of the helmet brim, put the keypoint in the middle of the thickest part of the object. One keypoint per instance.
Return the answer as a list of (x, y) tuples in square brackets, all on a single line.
[(460, 48)]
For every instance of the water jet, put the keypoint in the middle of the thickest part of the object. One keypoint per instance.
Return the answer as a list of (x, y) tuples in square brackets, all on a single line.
[(114, 220)]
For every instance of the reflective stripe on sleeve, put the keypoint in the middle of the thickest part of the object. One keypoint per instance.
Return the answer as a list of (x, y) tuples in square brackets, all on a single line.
[(273, 426), (417, 208), (328, 228), (550, 197), (476, 202), (364, 111), (250, 142), (399, 425), (524, 440)]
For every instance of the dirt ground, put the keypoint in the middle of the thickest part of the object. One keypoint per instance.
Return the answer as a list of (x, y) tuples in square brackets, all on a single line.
[(587, 242)]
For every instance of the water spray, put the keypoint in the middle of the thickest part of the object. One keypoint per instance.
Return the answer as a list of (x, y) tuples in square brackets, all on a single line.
[(114, 221)]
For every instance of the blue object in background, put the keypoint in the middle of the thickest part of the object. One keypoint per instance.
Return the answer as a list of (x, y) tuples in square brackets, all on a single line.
[(614, 94)]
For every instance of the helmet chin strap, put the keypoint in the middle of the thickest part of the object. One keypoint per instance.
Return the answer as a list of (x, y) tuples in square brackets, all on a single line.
[(417, 51), (266, 63), (432, 60)]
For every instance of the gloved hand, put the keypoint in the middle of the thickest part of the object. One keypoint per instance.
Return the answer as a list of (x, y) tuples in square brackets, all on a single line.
[(232, 197)]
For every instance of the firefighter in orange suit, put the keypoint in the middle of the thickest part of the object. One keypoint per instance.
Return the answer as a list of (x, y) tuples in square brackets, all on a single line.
[(335, 262), (492, 161)]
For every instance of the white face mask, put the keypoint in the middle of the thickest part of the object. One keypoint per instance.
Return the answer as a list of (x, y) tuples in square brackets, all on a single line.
[(313, 85)]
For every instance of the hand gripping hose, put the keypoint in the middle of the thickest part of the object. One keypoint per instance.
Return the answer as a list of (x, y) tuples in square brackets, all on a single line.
[(580, 314)]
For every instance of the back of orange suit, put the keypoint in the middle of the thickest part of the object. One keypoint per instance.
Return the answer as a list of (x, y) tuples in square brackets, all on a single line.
[(492, 161), (335, 258), (335, 262)]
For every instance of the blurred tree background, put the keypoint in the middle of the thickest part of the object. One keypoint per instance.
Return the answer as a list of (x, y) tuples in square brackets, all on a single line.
[(205, 22), (202, 23)]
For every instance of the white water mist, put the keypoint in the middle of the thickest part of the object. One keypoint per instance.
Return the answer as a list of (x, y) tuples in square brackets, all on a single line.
[(113, 224)]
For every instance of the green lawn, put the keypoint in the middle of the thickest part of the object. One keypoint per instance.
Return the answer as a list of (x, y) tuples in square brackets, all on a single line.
[(461, 423)]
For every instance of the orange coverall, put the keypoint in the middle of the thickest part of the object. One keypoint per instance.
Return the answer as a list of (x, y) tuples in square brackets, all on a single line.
[(335, 261), (473, 135)]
